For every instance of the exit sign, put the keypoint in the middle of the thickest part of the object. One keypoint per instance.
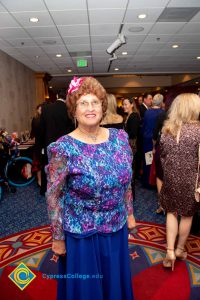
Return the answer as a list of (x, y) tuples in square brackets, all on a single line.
[(82, 63)]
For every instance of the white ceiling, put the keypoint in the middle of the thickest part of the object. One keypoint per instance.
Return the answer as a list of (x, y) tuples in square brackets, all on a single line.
[(92, 26)]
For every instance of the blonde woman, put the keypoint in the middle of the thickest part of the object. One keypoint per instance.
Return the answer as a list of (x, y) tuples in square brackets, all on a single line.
[(112, 119), (179, 157)]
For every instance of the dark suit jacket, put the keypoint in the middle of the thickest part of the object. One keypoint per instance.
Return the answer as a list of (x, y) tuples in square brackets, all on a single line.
[(142, 110), (54, 122)]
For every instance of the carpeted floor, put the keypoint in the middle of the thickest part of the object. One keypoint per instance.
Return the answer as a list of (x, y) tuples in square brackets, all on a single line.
[(25, 237), (147, 249), (27, 209)]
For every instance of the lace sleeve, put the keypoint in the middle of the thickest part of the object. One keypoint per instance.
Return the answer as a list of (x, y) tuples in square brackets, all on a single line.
[(129, 200), (56, 180), (129, 155)]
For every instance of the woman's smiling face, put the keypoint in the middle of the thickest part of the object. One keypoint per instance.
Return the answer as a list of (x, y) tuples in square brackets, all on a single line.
[(89, 110)]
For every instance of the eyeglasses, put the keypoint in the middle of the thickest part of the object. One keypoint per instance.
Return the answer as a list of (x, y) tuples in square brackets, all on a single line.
[(85, 104)]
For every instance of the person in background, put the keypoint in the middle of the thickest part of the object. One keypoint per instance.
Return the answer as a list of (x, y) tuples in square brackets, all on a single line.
[(132, 125), (156, 151), (149, 123), (90, 201), (112, 119), (140, 100), (35, 133), (146, 104), (54, 123), (132, 122), (179, 145)]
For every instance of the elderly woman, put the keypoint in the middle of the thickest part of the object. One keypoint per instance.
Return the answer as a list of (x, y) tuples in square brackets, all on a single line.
[(179, 157), (149, 124), (89, 200)]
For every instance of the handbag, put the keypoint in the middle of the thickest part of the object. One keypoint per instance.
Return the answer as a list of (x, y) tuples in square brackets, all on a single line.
[(197, 185)]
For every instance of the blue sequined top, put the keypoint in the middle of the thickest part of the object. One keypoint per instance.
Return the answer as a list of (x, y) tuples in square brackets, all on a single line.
[(89, 185)]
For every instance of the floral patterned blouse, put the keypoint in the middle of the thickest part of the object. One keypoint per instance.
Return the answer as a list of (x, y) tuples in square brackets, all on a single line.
[(89, 186)]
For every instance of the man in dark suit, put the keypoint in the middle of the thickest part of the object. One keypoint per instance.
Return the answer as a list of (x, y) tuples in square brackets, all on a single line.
[(146, 104), (54, 123), (147, 101)]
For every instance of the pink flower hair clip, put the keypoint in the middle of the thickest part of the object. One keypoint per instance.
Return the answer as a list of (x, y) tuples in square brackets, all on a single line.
[(74, 84)]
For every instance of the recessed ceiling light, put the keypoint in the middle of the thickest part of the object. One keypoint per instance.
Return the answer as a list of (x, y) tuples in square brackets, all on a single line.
[(50, 87), (124, 53), (198, 57), (136, 29), (116, 69), (69, 71), (58, 55), (34, 20), (142, 16), (175, 46), (197, 82)]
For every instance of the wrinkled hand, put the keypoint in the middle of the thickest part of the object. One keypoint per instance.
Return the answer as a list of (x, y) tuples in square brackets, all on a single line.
[(58, 247), (131, 222)]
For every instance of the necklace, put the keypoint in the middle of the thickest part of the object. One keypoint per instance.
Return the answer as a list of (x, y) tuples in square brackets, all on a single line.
[(93, 137)]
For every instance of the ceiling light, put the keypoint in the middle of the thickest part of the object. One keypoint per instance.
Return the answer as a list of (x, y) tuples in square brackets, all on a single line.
[(124, 53), (69, 71), (34, 20), (50, 87), (116, 69), (136, 29), (142, 16), (37, 56), (198, 57), (58, 55), (197, 82), (175, 46)]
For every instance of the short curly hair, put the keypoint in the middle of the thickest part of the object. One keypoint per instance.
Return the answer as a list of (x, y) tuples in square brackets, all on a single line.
[(89, 85)]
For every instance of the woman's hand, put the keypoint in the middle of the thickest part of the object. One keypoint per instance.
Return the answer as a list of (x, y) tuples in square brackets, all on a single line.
[(131, 222), (58, 247)]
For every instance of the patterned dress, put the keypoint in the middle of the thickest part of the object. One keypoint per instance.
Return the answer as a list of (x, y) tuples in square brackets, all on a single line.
[(180, 162), (89, 198)]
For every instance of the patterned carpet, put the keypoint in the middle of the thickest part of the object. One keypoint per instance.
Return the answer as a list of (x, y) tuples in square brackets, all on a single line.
[(25, 237), (27, 209), (150, 280), (147, 249)]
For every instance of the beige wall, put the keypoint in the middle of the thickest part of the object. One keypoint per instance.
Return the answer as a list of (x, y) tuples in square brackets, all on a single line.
[(17, 94)]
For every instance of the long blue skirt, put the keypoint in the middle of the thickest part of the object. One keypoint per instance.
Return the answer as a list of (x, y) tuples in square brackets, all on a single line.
[(97, 267)]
